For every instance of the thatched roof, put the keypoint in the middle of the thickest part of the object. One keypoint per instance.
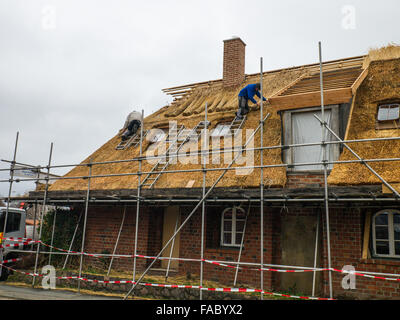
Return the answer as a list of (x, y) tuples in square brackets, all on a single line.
[(188, 109), (381, 84)]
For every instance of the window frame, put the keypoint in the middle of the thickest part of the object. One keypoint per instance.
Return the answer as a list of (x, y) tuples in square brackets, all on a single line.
[(288, 135), (233, 231), (392, 252), (387, 124)]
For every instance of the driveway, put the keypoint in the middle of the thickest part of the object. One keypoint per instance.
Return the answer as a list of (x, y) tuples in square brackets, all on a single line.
[(8, 292)]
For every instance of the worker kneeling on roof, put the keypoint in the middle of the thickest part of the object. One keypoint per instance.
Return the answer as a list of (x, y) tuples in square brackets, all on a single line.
[(246, 94), (132, 124)]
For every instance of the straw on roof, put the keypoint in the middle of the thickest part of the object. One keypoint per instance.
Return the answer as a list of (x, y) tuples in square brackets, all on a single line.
[(382, 84)]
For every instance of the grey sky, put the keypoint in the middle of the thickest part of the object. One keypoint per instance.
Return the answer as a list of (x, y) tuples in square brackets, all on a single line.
[(70, 71)]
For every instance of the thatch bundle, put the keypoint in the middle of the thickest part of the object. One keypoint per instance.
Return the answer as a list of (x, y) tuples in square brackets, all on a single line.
[(391, 51)]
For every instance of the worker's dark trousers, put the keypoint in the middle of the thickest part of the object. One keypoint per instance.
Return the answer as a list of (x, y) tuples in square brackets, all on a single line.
[(243, 107), (133, 126)]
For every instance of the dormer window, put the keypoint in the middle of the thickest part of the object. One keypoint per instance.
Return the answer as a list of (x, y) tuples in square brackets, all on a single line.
[(389, 112), (388, 116), (301, 127)]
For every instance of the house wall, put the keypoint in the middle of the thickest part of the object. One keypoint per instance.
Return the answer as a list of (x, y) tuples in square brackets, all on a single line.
[(347, 233), (103, 224), (282, 226)]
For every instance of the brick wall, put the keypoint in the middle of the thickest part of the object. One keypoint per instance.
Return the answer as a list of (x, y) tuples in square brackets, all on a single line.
[(347, 232), (102, 231), (304, 180), (190, 247), (234, 62), (346, 225)]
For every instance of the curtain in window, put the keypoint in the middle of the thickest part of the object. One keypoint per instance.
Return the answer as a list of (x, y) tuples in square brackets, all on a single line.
[(307, 129)]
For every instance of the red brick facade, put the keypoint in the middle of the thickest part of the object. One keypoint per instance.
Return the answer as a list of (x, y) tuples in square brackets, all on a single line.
[(346, 225)]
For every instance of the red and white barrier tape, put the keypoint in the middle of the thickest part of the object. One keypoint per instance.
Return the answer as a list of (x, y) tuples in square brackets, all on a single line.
[(359, 273), (16, 245), (16, 239), (240, 290), (10, 260)]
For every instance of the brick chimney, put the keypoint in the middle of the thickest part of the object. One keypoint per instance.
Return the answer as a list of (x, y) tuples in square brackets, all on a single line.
[(234, 56)]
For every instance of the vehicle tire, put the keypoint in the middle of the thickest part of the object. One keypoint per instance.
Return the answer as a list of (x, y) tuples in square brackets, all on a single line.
[(4, 274)]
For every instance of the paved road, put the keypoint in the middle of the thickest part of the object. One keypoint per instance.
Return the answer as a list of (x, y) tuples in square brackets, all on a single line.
[(8, 292)]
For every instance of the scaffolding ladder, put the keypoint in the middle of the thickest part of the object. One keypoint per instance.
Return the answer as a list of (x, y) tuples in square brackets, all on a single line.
[(237, 124), (134, 140), (183, 136)]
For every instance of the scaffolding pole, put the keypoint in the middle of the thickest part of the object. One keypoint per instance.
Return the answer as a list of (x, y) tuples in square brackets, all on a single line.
[(172, 248), (116, 242), (325, 165), (84, 224), (52, 234), (138, 199), (261, 181), (35, 214), (315, 254), (203, 208), (212, 151), (73, 239), (43, 212), (241, 245), (9, 194), (193, 211)]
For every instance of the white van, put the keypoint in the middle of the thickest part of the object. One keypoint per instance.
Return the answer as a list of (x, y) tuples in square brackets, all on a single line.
[(15, 228)]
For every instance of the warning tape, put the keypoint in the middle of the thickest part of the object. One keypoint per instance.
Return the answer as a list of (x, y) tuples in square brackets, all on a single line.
[(16, 245), (365, 275), (359, 273), (240, 290), (11, 260), (16, 239)]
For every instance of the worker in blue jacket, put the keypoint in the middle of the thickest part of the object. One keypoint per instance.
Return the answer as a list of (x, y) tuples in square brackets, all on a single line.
[(246, 94)]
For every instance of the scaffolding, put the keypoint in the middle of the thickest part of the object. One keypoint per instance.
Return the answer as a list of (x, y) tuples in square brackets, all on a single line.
[(323, 200)]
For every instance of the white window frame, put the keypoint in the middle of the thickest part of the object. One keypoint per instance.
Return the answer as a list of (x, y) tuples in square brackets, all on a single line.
[(288, 135), (234, 221), (392, 253), (388, 106)]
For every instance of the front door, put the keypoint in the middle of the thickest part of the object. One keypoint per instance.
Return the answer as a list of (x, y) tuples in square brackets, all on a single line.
[(171, 216)]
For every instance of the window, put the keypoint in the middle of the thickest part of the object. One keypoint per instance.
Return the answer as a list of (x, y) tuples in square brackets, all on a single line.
[(302, 127), (386, 234), (13, 221), (388, 112), (388, 116), (232, 226), (222, 130)]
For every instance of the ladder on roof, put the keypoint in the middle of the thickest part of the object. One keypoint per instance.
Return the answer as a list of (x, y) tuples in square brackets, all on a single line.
[(183, 136), (134, 140), (237, 124)]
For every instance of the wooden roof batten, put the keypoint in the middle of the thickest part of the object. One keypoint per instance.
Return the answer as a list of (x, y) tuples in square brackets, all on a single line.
[(339, 87), (328, 65)]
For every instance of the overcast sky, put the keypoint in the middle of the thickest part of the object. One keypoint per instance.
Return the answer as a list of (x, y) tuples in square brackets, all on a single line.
[(71, 70)]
